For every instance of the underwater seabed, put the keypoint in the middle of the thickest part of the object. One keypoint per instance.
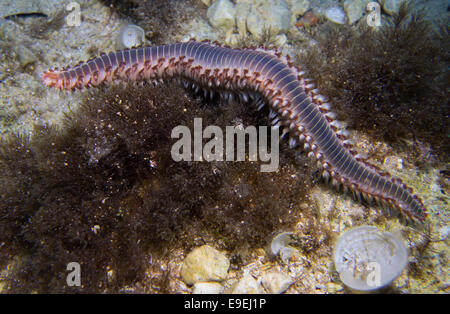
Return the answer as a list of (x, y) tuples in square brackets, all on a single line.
[(88, 177)]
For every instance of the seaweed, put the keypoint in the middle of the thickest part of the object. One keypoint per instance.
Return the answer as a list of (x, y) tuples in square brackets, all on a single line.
[(389, 82), (104, 191)]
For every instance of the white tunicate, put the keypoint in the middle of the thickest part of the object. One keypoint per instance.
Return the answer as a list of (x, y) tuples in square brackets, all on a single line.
[(367, 259), (130, 36)]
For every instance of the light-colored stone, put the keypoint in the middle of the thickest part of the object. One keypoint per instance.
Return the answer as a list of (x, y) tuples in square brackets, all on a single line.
[(206, 2), (204, 264), (247, 285), (207, 288), (221, 15), (25, 55), (269, 15), (355, 9), (276, 282), (335, 15), (298, 8), (333, 287)]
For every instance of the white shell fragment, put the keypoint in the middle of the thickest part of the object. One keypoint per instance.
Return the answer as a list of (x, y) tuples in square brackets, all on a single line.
[(130, 36), (367, 259)]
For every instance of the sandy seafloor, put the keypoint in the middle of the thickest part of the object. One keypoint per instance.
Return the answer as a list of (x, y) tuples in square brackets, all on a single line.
[(24, 101)]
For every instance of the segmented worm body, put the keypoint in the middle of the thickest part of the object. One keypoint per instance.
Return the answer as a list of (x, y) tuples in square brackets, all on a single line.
[(269, 78)]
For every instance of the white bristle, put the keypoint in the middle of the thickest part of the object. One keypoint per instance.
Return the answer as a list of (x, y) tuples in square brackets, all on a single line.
[(321, 98), (336, 124), (331, 115), (261, 105), (342, 132), (325, 106)]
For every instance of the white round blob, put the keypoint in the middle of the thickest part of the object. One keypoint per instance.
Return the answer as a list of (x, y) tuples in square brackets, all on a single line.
[(367, 259)]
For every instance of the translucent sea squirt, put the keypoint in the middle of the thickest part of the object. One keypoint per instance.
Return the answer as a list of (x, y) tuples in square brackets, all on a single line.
[(367, 259)]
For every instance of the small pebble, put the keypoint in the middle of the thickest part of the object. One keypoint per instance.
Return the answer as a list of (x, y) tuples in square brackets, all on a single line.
[(221, 15), (276, 282), (247, 285)]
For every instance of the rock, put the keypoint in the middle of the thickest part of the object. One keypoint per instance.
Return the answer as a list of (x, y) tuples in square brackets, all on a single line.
[(207, 288), (204, 264), (355, 9), (200, 29), (25, 55), (333, 287), (319, 7), (221, 15), (247, 285), (391, 6), (280, 245), (393, 162), (276, 282), (206, 2), (273, 15), (298, 7), (335, 15), (280, 40)]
